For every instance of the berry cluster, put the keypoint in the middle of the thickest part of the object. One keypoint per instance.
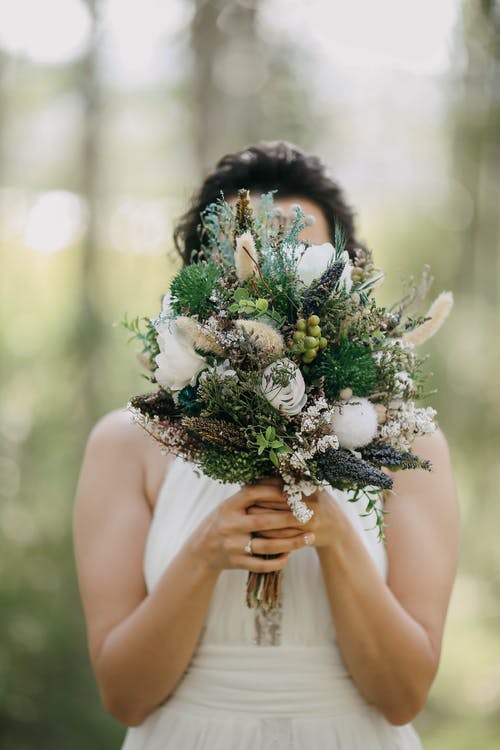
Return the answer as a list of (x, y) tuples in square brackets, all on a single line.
[(308, 339)]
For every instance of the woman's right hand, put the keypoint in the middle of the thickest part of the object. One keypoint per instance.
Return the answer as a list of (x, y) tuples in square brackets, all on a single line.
[(222, 536)]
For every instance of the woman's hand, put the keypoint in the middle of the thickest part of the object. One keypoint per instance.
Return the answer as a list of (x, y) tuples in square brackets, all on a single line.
[(322, 530), (258, 512)]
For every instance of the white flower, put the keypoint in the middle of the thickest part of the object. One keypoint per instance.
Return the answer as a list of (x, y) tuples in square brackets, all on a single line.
[(345, 280), (327, 442), (355, 422), (166, 304), (316, 259), (224, 370), (314, 262), (178, 363), (290, 397), (405, 421)]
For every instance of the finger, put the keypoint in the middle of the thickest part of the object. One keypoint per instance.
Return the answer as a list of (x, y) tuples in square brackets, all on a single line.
[(278, 481), (262, 546), (253, 494), (280, 533), (270, 505), (264, 507), (277, 519), (261, 564)]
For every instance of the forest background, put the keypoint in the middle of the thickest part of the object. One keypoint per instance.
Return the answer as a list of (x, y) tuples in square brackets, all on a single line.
[(110, 114)]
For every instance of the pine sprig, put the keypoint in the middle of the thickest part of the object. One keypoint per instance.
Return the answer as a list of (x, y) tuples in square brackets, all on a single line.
[(346, 365), (193, 288)]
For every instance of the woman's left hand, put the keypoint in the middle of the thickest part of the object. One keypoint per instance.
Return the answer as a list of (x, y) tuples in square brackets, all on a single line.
[(325, 524)]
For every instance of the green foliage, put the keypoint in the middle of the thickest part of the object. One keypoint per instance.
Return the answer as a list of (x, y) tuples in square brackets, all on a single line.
[(291, 237), (216, 232), (193, 288), (235, 466), (346, 365), (143, 330), (240, 403), (188, 401), (372, 508), (268, 441), (278, 283)]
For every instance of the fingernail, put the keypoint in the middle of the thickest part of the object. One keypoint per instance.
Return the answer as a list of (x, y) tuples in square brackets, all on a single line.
[(309, 539)]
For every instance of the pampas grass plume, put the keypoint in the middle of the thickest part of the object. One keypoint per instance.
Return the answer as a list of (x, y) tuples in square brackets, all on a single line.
[(245, 256), (199, 338), (269, 337), (438, 312)]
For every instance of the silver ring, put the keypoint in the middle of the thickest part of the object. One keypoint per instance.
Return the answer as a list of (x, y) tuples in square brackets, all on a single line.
[(248, 547)]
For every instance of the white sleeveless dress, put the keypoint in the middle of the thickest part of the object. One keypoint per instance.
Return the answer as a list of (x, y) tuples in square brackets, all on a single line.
[(255, 682)]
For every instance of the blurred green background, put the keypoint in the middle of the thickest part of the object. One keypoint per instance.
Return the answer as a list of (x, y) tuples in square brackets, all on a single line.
[(110, 114)]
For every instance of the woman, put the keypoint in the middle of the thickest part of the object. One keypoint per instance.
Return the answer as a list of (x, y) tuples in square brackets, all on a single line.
[(163, 554)]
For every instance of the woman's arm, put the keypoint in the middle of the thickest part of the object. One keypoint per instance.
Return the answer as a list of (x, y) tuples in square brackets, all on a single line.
[(140, 643), (390, 634)]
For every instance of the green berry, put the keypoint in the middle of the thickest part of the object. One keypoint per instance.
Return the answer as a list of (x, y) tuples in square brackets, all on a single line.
[(323, 343), (310, 342), (299, 335), (313, 320), (301, 324), (314, 331), (308, 357)]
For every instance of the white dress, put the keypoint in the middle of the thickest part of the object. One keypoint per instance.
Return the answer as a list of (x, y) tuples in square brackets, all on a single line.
[(255, 682)]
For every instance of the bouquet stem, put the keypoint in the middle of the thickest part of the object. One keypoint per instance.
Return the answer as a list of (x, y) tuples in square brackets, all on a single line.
[(264, 590)]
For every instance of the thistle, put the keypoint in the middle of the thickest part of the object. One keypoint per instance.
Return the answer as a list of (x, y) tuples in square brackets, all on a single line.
[(342, 469), (380, 454), (319, 291)]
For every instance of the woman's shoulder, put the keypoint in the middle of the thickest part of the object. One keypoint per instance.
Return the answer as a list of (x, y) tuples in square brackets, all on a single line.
[(116, 428), (119, 443)]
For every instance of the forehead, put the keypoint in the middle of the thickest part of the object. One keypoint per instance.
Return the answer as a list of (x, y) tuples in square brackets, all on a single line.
[(317, 233)]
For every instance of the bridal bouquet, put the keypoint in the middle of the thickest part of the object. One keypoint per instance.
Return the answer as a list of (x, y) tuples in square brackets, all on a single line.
[(272, 358)]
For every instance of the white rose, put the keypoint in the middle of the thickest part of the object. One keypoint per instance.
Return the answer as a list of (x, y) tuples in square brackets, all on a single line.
[(290, 397), (314, 261), (178, 363)]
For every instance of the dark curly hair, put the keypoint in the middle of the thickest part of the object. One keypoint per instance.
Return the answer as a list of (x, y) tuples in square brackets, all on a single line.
[(265, 166)]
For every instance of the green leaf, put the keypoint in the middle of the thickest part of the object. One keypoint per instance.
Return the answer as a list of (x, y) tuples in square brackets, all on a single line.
[(240, 294), (270, 433), (273, 457)]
